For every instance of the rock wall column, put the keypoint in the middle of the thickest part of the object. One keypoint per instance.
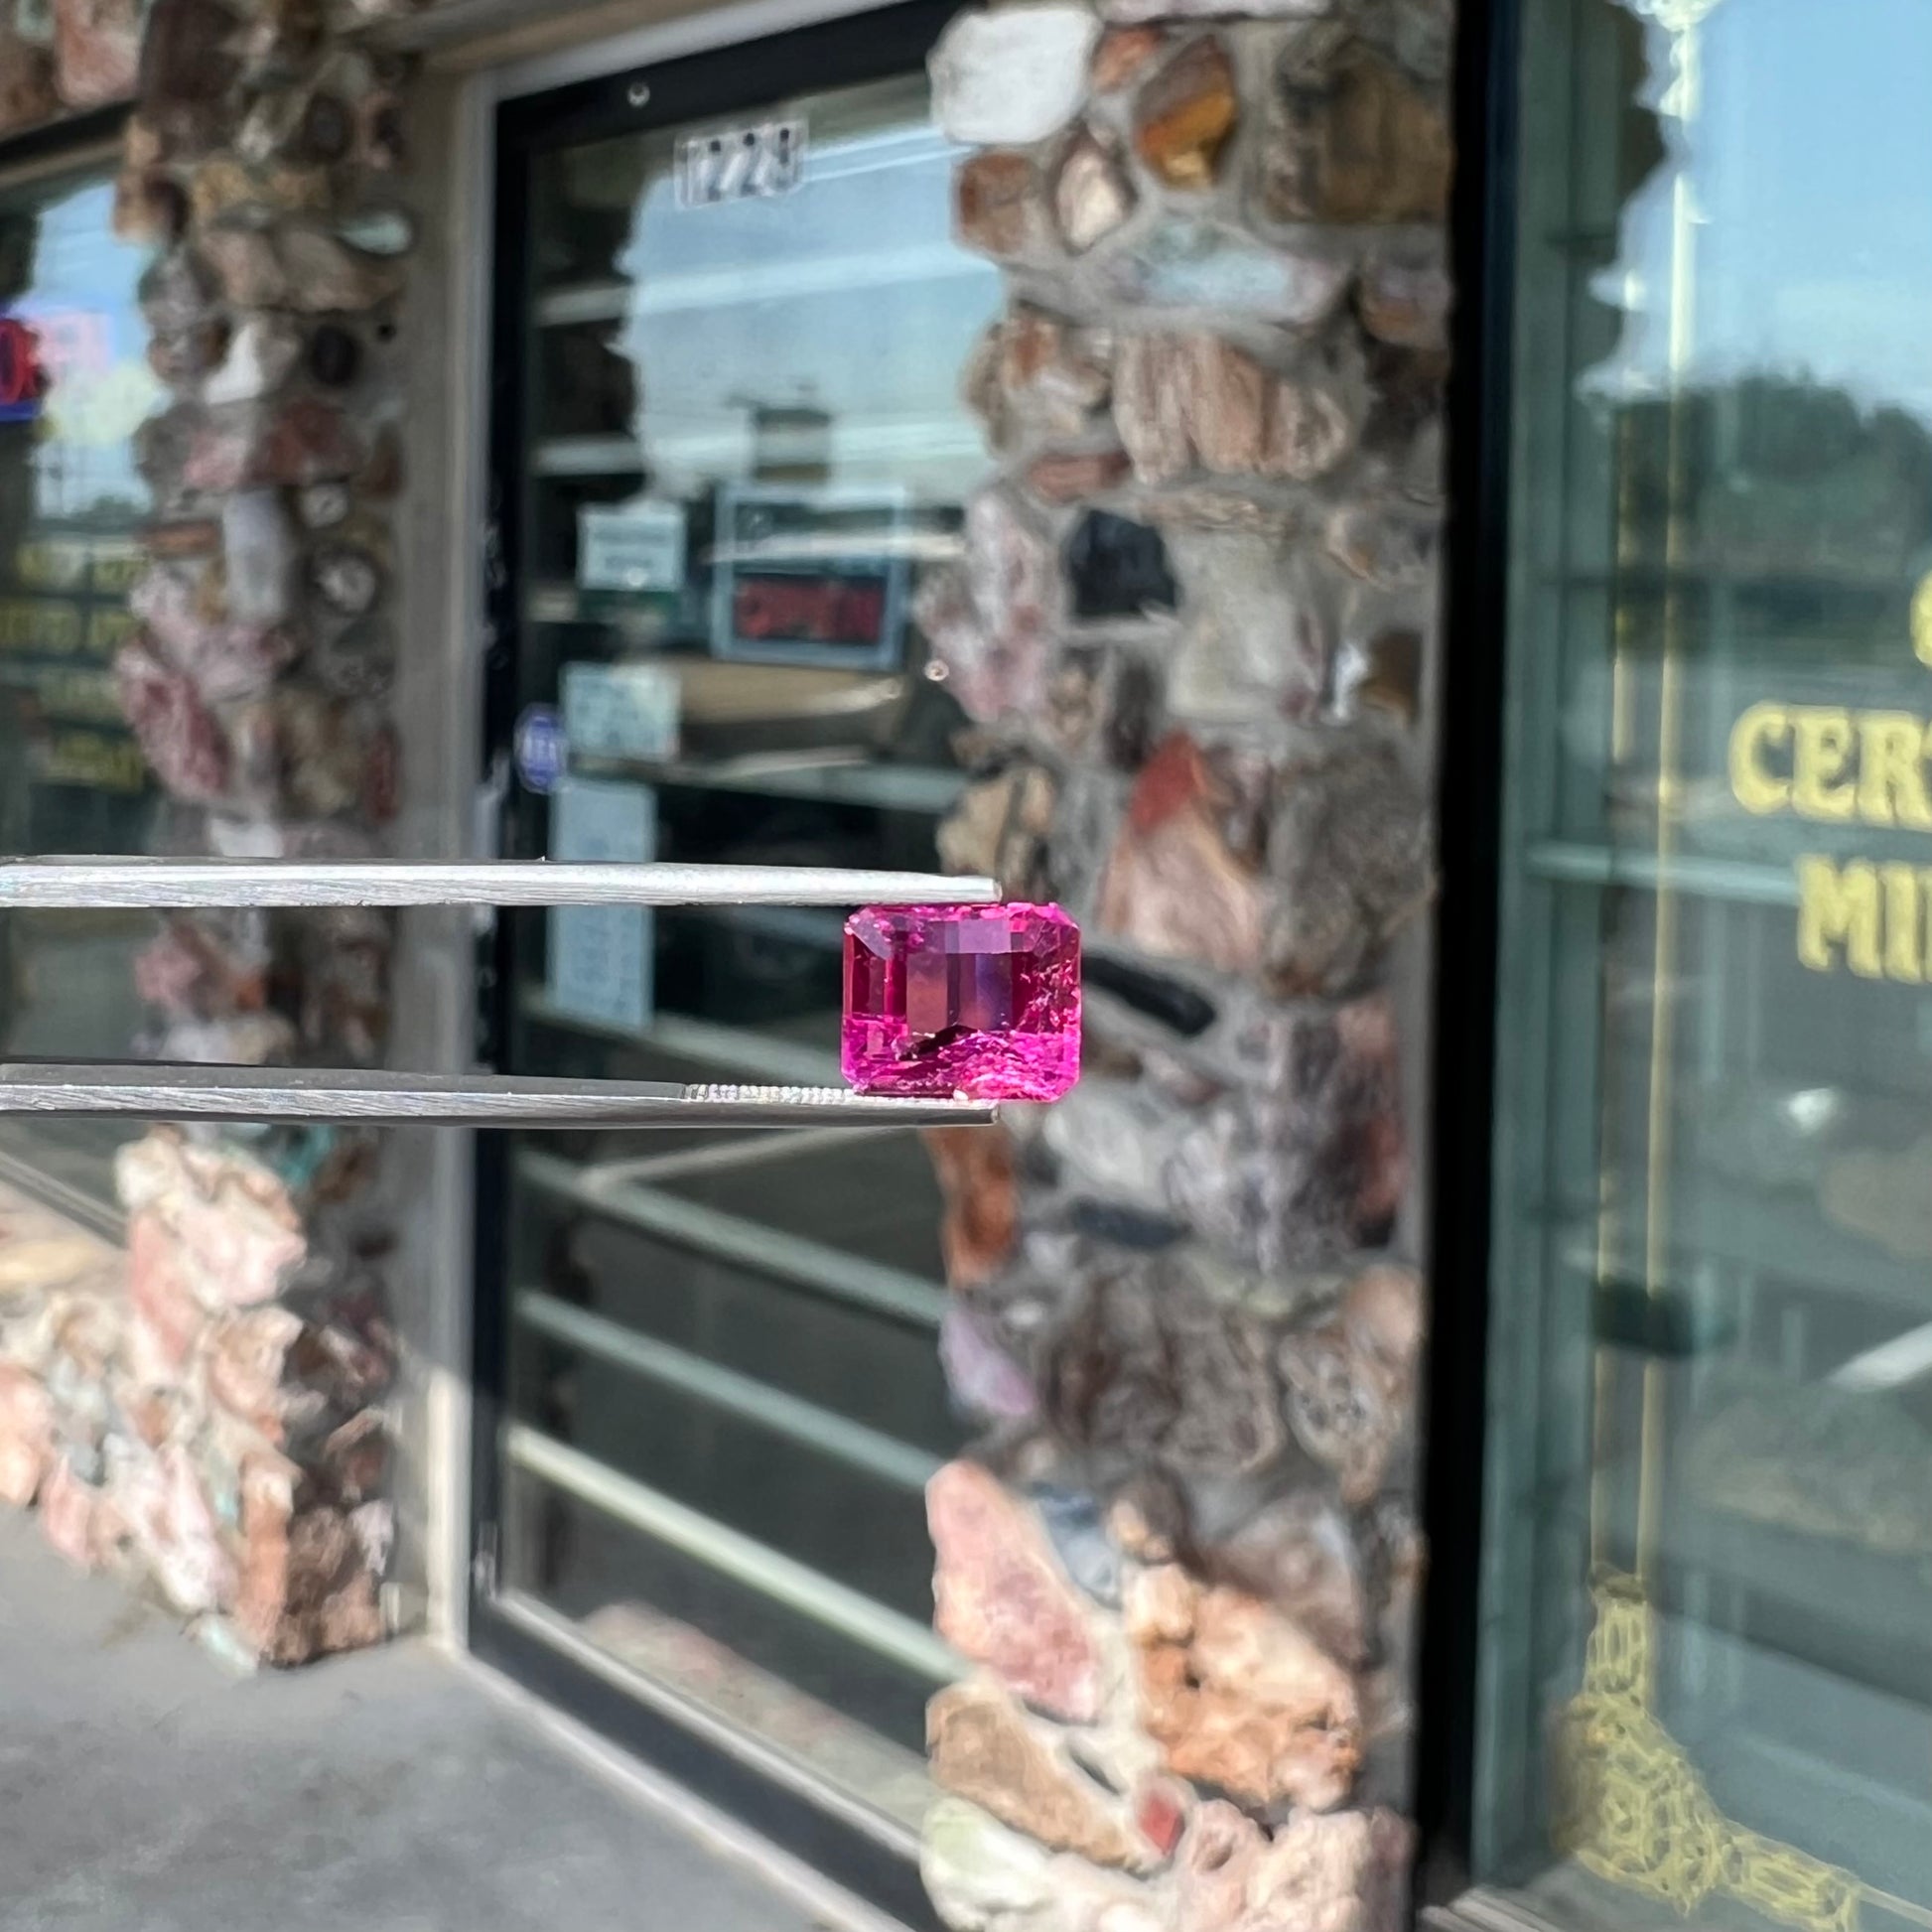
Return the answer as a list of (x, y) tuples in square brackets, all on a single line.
[(1193, 618), (244, 1444)]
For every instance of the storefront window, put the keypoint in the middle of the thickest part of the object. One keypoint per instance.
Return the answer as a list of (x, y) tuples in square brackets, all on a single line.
[(1707, 1682), (74, 385), (742, 452)]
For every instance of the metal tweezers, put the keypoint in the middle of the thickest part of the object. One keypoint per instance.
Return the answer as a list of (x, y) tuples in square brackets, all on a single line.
[(154, 1090)]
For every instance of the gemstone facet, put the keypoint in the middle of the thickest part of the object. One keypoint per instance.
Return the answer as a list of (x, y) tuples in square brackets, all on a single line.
[(978, 1001)]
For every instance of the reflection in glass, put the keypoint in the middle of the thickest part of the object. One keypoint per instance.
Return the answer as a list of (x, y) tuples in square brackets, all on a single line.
[(746, 449), (75, 386), (1709, 1667)]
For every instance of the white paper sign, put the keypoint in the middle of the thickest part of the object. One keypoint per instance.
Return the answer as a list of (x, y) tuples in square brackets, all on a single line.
[(601, 955), (620, 711), (630, 546)]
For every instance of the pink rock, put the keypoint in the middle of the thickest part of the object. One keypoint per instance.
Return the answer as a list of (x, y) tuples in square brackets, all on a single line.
[(25, 1434), (70, 1512), (238, 1233), (158, 1286), (1001, 1596), (178, 735), (980, 1001), (988, 624), (96, 50)]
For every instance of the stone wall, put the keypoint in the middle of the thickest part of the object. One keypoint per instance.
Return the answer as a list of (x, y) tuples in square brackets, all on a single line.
[(1194, 618), (231, 1441)]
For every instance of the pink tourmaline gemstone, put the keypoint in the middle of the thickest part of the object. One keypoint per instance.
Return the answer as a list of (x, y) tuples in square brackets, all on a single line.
[(979, 1001)]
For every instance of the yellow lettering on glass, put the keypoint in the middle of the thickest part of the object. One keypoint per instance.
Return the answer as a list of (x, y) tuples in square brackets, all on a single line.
[(1923, 620), (1839, 909), (1819, 787), (1892, 770), (1904, 955), (1756, 788)]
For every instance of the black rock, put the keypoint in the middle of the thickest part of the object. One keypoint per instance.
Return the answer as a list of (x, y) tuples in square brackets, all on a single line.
[(1124, 1227), (1166, 1000), (1118, 568), (335, 355)]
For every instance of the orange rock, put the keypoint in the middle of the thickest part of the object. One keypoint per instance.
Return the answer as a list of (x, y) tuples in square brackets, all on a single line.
[(975, 1169), (983, 1746), (1185, 114), (1239, 1697)]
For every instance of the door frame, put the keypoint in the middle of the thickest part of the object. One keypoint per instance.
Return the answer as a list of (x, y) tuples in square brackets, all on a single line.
[(709, 66)]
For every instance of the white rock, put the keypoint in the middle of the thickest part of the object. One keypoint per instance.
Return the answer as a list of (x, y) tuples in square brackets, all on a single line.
[(1133, 13), (258, 360), (1007, 78)]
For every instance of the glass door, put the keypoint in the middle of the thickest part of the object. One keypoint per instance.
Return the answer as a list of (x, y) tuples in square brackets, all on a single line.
[(730, 447), (1707, 1632)]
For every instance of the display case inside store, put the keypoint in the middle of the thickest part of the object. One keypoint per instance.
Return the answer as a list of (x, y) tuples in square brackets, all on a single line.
[(735, 453), (1707, 1653)]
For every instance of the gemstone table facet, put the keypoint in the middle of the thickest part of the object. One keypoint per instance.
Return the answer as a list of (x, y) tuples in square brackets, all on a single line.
[(978, 1001)]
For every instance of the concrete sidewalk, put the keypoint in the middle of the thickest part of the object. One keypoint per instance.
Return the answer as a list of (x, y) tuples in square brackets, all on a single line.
[(144, 1789)]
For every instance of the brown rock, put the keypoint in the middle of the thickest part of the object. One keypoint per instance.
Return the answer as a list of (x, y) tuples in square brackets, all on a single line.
[(150, 207), (1092, 196), (1151, 1368), (194, 539), (1185, 114), (1239, 1697), (1000, 205), (1066, 475), (1173, 883), (984, 1747), (1406, 305), (976, 1176), (1346, 1871), (248, 267), (326, 275), (96, 50), (1351, 1379), (1001, 1596), (999, 828), (1123, 54), (26, 95), (186, 71), (1297, 1555), (1383, 675), (1349, 854), (306, 1586), (223, 187), (1351, 139), (25, 1434), (1185, 402)]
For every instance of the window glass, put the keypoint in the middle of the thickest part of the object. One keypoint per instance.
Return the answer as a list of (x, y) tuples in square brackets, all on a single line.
[(1707, 1687), (75, 386), (745, 452)]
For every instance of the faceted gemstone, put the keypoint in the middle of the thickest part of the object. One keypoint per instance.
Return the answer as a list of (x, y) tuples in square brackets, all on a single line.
[(978, 1001)]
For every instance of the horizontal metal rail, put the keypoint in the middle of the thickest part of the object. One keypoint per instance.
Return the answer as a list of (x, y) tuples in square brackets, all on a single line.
[(147, 1091), (807, 1264), (174, 883), (727, 1388), (785, 1580)]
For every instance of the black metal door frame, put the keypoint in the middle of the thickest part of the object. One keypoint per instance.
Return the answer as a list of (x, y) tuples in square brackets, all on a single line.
[(725, 81)]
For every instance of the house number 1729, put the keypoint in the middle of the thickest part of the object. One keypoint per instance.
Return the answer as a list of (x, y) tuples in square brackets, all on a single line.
[(741, 164)]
